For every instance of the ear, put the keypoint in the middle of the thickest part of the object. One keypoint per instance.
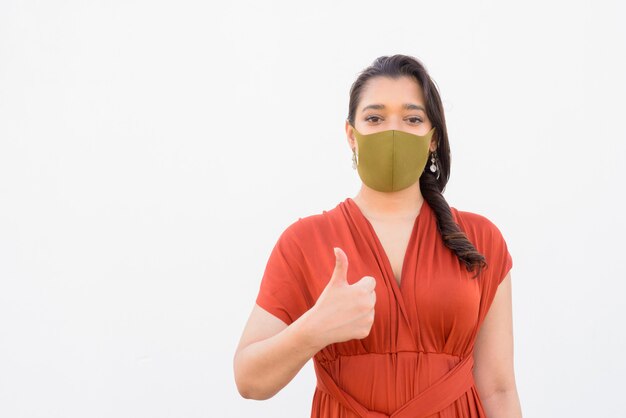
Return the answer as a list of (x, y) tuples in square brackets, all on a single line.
[(350, 135), (433, 142)]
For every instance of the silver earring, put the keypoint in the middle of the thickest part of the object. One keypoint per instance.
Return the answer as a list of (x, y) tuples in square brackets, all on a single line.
[(354, 159), (434, 164)]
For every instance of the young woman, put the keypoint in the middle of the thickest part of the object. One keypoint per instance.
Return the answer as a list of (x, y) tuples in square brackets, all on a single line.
[(403, 302)]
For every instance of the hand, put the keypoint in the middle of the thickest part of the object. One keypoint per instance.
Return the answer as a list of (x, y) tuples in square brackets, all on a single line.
[(344, 311)]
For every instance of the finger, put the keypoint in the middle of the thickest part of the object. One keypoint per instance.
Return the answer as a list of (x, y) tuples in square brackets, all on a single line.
[(368, 282), (340, 272)]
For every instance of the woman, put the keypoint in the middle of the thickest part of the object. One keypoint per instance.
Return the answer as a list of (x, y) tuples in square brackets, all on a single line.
[(389, 291)]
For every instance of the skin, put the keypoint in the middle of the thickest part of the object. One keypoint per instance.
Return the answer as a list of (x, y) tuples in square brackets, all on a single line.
[(270, 353)]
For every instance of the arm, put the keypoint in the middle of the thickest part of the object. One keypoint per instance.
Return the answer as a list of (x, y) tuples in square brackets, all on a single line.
[(271, 353), (493, 358)]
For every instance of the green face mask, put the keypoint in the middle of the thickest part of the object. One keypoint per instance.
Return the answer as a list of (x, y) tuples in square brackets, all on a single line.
[(391, 160)]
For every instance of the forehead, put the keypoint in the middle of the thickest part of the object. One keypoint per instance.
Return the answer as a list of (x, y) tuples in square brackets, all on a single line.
[(391, 92)]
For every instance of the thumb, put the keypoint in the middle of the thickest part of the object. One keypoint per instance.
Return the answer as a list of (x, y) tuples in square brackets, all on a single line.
[(340, 273)]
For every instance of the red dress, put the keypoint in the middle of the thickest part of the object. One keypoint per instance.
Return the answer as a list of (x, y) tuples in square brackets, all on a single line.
[(417, 360)]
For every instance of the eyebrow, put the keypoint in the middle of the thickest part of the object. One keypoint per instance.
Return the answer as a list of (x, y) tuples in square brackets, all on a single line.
[(407, 106)]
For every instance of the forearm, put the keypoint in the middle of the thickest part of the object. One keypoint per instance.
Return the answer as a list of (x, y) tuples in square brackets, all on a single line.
[(503, 404), (265, 367)]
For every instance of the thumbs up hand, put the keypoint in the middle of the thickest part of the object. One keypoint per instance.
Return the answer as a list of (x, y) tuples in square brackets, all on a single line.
[(344, 311)]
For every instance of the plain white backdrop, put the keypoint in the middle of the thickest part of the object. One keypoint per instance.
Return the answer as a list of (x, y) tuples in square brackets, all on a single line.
[(152, 152)]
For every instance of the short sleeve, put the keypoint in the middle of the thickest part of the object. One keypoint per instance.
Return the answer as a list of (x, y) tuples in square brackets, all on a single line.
[(490, 242), (500, 260), (282, 291)]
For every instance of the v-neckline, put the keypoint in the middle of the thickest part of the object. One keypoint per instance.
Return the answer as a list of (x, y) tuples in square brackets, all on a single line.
[(397, 287)]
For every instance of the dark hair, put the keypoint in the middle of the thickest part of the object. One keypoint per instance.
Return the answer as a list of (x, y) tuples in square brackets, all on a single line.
[(396, 66)]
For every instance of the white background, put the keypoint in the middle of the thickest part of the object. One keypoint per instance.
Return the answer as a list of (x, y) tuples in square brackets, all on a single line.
[(152, 152)]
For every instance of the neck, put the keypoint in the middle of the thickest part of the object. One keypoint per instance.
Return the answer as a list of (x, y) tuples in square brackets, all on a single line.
[(403, 204)]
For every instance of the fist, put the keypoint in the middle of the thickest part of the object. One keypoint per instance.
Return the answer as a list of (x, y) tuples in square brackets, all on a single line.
[(344, 311)]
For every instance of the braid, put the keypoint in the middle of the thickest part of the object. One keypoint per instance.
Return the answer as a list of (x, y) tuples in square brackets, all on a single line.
[(451, 233)]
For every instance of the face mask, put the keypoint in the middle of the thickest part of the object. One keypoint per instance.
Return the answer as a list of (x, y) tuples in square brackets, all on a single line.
[(391, 160)]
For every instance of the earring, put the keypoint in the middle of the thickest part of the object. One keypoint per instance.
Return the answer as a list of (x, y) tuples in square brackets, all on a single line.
[(354, 159), (434, 163)]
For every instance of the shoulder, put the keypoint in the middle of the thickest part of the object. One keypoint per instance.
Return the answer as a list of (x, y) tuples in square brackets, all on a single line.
[(473, 220), (318, 223), (488, 240), (479, 228), (305, 229)]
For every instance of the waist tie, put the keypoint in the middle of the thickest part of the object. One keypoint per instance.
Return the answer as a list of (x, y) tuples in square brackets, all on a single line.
[(440, 394)]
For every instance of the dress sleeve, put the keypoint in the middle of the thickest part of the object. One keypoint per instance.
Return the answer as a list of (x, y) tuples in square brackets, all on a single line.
[(501, 261), (282, 291)]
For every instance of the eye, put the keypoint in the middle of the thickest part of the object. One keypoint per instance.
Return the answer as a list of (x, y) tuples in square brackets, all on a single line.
[(369, 118), (415, 119)]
